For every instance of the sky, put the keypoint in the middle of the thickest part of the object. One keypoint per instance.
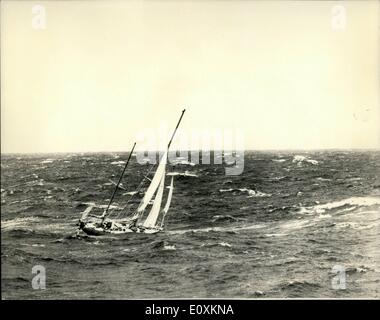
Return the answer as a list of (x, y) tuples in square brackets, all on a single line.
[(98, 75)]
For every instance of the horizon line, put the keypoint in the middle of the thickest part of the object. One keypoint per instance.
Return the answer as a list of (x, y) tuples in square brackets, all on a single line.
[(200, 150)]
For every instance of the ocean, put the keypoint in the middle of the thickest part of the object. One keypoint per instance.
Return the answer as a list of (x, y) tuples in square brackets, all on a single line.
[(281, 229)]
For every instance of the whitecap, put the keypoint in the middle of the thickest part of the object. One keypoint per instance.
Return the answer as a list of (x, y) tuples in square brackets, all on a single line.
[(357, 226), (118, 162), (315, 162), (17, 222), (101, 206), (183, 162), (324, 216), (213, 244), (251, 193), (278, 178), (300, 159), (183, 174), (47, 161), (169, 247), (353, 201), (355, 179), (130, 193), (147, 160), (224, 244), (257, 194), (218, 229), (323, 179), (296, 224)]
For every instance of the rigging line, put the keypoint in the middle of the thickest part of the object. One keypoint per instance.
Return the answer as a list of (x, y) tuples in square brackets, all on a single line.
[(137, 191), (139, 187), (117, 185)]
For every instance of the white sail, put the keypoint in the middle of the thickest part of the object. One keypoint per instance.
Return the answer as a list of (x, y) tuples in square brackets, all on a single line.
[(168, 201), (86, 212), (151, 219), (155, 183), (167, 205)]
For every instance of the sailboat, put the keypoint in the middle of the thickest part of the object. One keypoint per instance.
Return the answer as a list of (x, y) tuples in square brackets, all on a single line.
[(135, 221)]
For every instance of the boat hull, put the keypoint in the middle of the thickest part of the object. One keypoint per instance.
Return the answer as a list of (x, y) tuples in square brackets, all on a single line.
[(96, 230)]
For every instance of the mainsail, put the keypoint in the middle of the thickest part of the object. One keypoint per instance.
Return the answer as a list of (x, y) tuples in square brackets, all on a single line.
[(154, 184), (151, 219)]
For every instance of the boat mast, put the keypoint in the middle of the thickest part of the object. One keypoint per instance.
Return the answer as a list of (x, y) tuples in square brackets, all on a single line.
[(175, 130), (117, 185)]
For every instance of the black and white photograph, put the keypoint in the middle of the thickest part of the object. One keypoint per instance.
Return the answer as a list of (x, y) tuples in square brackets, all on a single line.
[(190, 150)]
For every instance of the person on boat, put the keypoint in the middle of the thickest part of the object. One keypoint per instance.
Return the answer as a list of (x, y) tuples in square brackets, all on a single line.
[(107, 225), (133, 225), (81, 224)]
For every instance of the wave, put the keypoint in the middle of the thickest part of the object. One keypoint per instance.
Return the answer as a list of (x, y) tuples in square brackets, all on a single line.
[(101, 206), (121, 162), (130, 193), (301, 159), (148, 161), (219, 218), (182, 162), (169, 247), (299, 286), (323, 179), (47, 161), (164, 245), (251, 193), (357, 226), (296, 224), (18, 222), (278, 178), (353, 202), (33, 245), (182, 174), (38, 182), (233, 229), (222, 244), (360, 269), (355, 179)]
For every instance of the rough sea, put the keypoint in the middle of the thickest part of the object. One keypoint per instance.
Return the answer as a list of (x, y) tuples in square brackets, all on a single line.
[(281, 229)]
